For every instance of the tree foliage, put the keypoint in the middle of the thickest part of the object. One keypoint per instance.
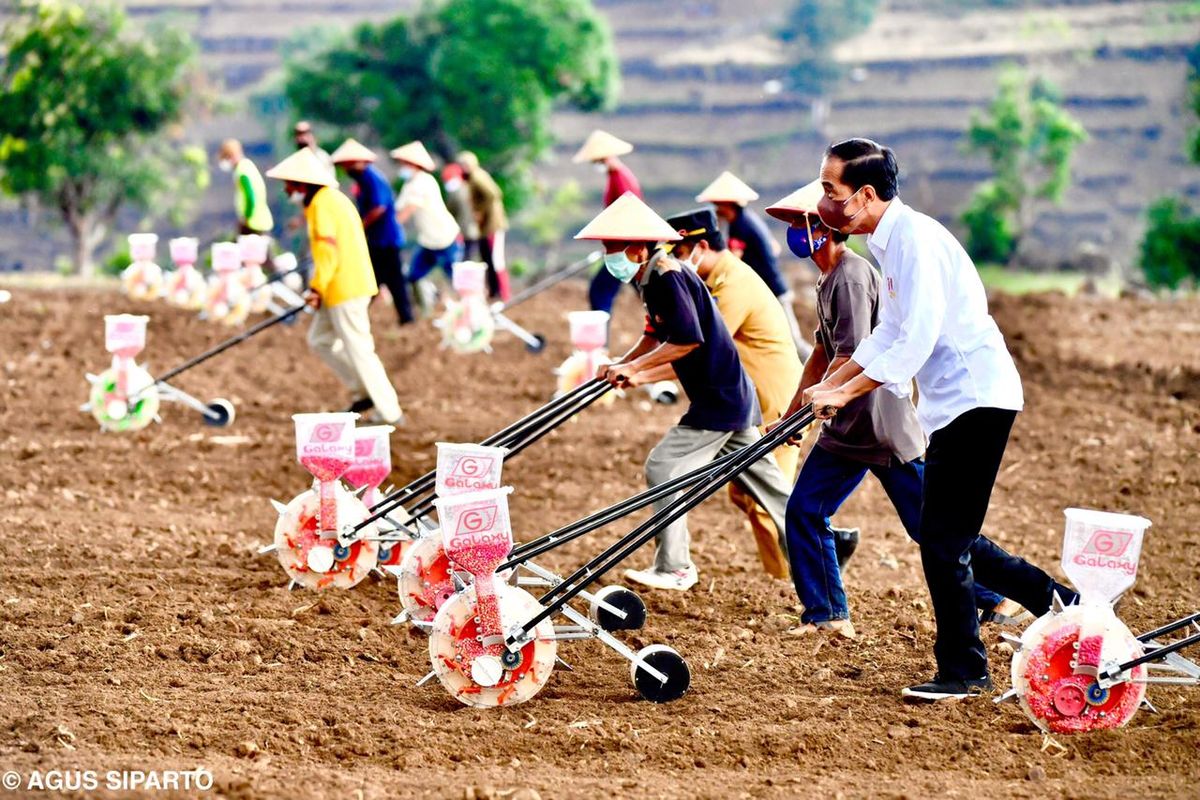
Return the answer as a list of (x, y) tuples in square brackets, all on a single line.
[(811, 29), (1169, 255), (84, 104), (482, 75), (1030, 140)]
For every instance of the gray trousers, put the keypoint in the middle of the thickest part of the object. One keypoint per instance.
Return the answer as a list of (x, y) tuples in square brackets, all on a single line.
[(684, 449)]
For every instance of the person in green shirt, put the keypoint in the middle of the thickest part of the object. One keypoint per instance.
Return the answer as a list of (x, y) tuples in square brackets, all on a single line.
[(250, 193)]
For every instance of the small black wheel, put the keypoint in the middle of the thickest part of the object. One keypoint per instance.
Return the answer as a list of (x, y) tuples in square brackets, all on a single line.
[(219, 414), (668, 662), (667, 396), (623, 599), (537, 345)]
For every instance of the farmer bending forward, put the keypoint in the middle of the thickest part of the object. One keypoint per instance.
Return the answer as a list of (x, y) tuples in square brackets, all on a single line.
[(342, 285), (684, 334)]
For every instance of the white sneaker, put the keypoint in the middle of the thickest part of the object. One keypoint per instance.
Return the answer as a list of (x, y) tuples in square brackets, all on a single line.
[(679, 580)]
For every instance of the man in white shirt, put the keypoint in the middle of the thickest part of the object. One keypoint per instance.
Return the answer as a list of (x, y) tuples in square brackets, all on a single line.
[(934, 327), (421, 203)]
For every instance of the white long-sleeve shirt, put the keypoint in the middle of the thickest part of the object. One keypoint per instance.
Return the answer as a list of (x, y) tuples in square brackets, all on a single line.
[(934, 324)]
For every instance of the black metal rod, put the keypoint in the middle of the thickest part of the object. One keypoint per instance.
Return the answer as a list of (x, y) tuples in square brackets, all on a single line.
[(527, 438), (253, 330), (552, 280), (513, 436), (1169, 628), (558, 596), (1153, 655), (567, 533)]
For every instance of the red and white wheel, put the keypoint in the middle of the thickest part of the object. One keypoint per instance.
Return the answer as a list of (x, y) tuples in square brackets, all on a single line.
[(473, 675), (317, 563), (1053, 695), (425, 579)]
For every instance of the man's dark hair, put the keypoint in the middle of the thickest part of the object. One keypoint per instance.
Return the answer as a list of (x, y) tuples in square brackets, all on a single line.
[(867, 163), (840, 237)]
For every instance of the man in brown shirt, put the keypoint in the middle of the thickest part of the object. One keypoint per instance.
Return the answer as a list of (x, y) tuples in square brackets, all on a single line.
[(488, 203), (877, 432)]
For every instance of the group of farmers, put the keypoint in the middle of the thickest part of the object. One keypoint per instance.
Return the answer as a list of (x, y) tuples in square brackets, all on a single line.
[(720, 321)]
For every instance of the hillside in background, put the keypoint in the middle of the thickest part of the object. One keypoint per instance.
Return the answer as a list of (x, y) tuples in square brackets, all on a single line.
[(697, 99)]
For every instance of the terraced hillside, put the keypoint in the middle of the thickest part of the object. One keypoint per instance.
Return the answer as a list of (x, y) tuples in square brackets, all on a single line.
[(696, 99)]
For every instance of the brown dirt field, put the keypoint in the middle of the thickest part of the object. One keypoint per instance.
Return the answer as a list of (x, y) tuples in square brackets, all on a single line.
[(141, 630)]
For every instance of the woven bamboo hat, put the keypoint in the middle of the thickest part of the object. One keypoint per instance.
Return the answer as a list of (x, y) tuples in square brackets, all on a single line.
[(727, 188), (302, 166), (352, 150), (601, 145), (799, 203), (414, 153), (628, 219)]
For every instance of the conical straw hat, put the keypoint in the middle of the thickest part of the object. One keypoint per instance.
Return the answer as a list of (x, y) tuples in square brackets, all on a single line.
[(416, 154), (628, 219), (352, 150), (302, 166), (601, 145), (727, 188), (799, 203)]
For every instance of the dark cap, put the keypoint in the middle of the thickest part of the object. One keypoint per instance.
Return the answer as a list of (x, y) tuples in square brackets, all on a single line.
[(699, 223)]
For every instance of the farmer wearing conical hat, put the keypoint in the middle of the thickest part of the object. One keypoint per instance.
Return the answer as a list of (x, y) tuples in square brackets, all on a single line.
[(684, 338), (750, 240), (764, 345), (421, 203), (604, 150), (487, 201), (250, 193), (377, 207), (342, 285)]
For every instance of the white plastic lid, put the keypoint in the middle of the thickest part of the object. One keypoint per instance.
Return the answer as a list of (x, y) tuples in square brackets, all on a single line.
[(466, 467), (141, 246), (184, 249), (125, 333), (226, 257), (328, 434)]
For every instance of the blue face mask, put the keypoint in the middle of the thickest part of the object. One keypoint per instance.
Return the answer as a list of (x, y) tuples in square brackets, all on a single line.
[(620, 267), (801, 243)]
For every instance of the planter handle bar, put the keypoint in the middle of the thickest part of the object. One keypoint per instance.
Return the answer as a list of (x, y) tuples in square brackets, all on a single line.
[(553, 280), (558, 596)]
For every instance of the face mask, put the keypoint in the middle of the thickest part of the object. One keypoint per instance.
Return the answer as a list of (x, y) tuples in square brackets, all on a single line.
[(601, 167), (225, 165), (833, 212), (801, 242), (297, 198), (620, 266), (692, 262), (406, 173), (453, 185)]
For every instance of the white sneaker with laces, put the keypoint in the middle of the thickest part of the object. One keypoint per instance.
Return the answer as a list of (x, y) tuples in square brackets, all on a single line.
[(679, 580)]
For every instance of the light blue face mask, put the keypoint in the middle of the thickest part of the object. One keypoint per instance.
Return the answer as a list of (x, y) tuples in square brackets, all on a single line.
[(620, 267)]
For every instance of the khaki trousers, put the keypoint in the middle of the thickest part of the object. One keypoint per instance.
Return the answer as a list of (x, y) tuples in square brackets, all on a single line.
[(341, 336), (774, 558)]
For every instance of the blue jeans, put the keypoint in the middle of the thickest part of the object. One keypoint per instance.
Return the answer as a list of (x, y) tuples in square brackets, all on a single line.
[(824, 483), (424, 260)]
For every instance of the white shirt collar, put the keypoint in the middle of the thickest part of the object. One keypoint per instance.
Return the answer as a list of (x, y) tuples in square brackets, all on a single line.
[(878, 241)]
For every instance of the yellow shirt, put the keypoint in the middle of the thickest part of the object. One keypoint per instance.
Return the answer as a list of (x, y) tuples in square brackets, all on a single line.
[(341, 264), (760, 332)]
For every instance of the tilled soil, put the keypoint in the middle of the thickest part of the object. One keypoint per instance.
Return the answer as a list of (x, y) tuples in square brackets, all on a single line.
[(142, 631)]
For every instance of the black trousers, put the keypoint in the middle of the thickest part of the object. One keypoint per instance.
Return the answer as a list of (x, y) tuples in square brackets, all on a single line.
[(389, 272), (961, 464)]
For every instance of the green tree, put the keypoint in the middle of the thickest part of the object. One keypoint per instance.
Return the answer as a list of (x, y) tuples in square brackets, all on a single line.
[(482, 75), (1170, 250), (810, 31), (1029, 139), (84, 109)]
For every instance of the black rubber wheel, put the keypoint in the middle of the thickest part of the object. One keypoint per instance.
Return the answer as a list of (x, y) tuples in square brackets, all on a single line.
[(671, 664), (220, 413), (538, 345), (623, 599), (666, 398)]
